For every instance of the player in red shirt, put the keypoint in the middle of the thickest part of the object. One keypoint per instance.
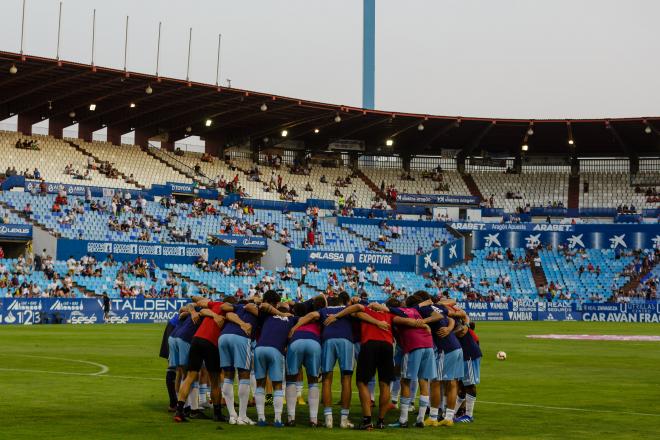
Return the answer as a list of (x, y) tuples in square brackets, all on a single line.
[(204, 351), (376, 355)]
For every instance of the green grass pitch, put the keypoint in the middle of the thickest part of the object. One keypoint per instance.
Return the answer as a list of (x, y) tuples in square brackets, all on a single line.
[(50, 387)]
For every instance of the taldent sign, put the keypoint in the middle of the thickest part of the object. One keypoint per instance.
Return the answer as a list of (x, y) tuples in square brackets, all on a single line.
[(27, 311)]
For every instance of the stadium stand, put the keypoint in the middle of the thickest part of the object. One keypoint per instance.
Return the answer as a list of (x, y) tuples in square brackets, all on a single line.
[(514, 192), (49, 158)]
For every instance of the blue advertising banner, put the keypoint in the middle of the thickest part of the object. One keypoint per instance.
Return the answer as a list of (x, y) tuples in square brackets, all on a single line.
[(589, 236), (244, 242), (438, 199), (123, 251), (28, 311), (444, 256), (337, 260), (525, 227), (79, 190), (181, 188), (15, 231)]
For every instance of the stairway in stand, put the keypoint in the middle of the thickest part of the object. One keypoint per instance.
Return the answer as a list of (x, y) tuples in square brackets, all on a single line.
[(472, 186), (537, 272), (634, 282), (574, 192), (123, 176), (373, 187)]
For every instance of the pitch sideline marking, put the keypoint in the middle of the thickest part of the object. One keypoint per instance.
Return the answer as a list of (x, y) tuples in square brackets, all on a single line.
[(103, 368), (525, 405)]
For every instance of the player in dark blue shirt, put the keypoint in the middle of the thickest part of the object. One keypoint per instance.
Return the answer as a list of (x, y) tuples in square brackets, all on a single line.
[(275, 323), (471, 372), (449, 359), (235, 346), (337, 347)]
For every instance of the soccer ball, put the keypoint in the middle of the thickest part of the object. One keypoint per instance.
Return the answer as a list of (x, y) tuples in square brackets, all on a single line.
[(501, 356)]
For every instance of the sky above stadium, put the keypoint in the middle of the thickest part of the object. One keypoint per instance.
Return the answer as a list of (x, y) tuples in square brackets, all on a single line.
[(504, 58)]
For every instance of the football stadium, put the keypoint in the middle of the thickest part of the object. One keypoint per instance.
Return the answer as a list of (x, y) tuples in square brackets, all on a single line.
[(289, 255)]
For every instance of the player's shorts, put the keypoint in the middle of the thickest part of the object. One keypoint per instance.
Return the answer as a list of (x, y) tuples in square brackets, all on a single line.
[(183, 352), (375, 356), (268, 361), (398, 355), (419, 364), (173, 355), (450, 365), (202, 352), (471, 372), (235, 352), (305, 352), (338, 350)]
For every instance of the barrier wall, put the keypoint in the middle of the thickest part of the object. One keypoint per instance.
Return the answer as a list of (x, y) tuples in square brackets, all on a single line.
[(28, 311), (127, 251)]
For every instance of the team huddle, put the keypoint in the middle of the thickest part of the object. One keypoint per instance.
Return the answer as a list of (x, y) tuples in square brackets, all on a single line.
[(423, 345)]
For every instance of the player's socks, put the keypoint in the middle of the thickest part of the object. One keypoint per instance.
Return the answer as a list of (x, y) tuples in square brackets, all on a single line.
[(423, 404), (469, 404), (253, 384), (260, 401), (433, 413), (291, 400), (327, 416), (243, 397), (170, 378), (193, 396), (372, 387), (299, 389), (313, 397), (278, 404), (459, 403), (217, 413), (413, 392), (395, 388), (449, 414), (228, 394), (404, 406), (203, 392)]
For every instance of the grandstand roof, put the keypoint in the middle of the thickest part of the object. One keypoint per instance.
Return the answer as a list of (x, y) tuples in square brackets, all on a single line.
[(47, 88)]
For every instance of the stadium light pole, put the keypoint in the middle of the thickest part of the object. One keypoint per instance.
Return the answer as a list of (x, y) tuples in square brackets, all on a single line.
[(59, 31), (368, 53), (126, 44), (189, 46), (23, 26), (217, 66), (93, 34), (158, 49)]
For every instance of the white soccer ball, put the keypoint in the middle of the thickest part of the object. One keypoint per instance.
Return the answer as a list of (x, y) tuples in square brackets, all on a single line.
[(501, 355)]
